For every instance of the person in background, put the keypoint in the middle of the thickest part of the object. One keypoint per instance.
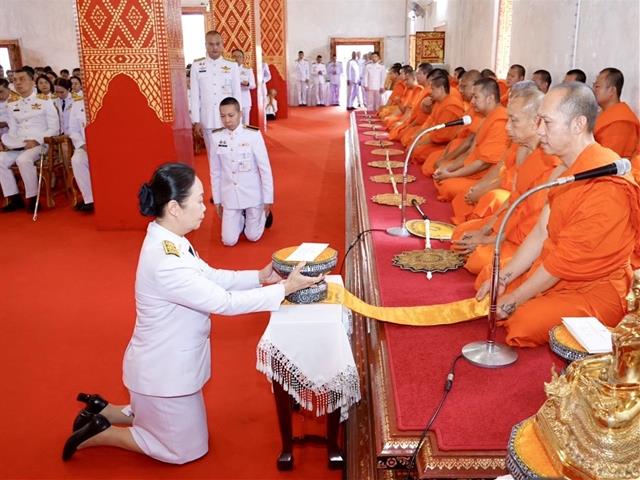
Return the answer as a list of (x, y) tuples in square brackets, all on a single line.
[(247, 83), (271, 106), (63, 102), (44, 86)]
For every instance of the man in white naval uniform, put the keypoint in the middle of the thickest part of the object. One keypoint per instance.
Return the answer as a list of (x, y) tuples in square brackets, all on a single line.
[(302, 70), (318, 81), (212, 79), (5, 95), (31, 119), (334, 70), (79, 159), (241, 177), (362, 63), (373, 82), (247, 83), (353, 81)]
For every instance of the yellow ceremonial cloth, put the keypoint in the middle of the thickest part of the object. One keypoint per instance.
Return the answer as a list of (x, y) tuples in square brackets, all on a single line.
[(444, 314)]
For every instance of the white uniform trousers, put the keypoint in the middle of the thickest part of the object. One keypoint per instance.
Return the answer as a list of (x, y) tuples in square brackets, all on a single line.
[(246, 112), (26, 160), (234, 223), (317, 93), (80, 166), (353, 94), (373, 100), (334, 94), (302, 92), (362, 98), (170, 429)]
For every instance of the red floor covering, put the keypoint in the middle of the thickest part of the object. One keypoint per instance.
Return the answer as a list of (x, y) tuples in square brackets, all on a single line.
[(67, 312), (484, 403)]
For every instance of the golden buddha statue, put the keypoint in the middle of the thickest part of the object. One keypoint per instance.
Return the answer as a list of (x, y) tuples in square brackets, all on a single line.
[(590, 422), (633, 297)]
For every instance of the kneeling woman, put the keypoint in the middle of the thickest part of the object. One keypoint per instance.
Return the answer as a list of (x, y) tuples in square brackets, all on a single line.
[(168, 359)]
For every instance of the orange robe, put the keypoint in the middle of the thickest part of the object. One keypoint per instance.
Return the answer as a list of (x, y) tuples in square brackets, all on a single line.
[(504, 92), (418, 116), (449, 109), (409, 99), (618, 128), (589, 247), (395, 98), (410, 134), (490, 144)]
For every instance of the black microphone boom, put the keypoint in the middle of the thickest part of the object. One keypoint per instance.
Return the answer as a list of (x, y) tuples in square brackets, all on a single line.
[(622, 166)]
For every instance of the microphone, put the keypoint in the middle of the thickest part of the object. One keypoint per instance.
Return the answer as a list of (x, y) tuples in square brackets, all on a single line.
[(466, 120), (620, 167), (415, 203)]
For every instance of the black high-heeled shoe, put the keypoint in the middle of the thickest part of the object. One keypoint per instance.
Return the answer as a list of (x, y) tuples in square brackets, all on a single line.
[(98, 423), (95, 404)]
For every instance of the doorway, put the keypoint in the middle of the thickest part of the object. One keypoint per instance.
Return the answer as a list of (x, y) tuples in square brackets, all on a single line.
[(343, 54)]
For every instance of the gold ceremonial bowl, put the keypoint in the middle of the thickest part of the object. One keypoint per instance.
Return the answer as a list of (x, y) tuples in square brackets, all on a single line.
[(437, 230)]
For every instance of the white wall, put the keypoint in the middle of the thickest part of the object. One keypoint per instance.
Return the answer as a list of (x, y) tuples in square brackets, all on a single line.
[(46, 30), (311, 24)]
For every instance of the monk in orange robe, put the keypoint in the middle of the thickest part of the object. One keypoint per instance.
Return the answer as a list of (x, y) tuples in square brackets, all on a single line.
[(532, 167), (397, 77), (576, 262), (410, 98), (515, 74), (460, 146), (421, 109), (617, 127), (490, 143)]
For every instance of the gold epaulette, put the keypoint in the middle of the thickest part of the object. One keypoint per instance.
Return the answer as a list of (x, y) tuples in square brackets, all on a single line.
[(198, 59), (217, 130), (13, 96), (170, 248), (251, 127), (77, 98), (43, 96)]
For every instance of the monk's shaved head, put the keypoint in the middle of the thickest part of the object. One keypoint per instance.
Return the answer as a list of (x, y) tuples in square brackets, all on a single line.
[(575, 75), (440, 81), (487, 73), (437, 72), (518, 69), (577, 100), (425, 68), (614, 78), (489, 87), (530, 95), (471, 75), (466, 83)]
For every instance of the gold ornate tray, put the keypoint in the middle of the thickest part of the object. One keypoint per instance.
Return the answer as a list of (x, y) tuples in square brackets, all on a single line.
[(375, 133), (395, 199), (384, 151), (371, 126), (437, 230), (386, 178), (379, 143), (429, 260), (383, 164), (564, 345)]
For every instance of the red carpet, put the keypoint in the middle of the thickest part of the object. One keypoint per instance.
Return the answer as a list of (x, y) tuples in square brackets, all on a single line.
[(484, 403), (67, 312)]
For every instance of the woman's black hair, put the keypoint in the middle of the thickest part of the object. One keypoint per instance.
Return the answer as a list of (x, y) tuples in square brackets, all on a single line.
[(48, 81), (171, 181)]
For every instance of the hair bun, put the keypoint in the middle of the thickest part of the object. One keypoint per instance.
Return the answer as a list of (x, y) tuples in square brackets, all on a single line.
[(146, 201)]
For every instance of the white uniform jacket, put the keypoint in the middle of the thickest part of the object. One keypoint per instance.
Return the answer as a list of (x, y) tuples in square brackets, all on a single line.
[(318, 73), (302, 70), (335, 72), (30, 118), (241, 172), (353, 71), (77, 122), (374, 75), (246, 74), (211, 82), (64, 109), (169, 353)]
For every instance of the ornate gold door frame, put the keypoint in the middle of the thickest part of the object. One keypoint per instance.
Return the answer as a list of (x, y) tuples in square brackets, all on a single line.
[(377, 42)]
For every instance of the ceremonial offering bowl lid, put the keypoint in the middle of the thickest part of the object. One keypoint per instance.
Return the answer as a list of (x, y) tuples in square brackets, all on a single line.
[(437, 230), (313, 294), (429, 260), (383, 152), (383, 164), (564, 345), (386, 178), (323, 263)]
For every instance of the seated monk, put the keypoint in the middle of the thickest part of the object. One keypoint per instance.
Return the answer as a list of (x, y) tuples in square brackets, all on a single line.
[(575, 75), (576, 260), (490, 143), (459, 146), (397, 77), (421, 109), (617, 127), (446, 108), (502, 85), (532, 167), (494, 187), (411, 96), (515, 74)]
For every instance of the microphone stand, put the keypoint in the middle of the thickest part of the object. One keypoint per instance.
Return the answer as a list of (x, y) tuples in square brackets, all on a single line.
[(402, 231), (488, 353)]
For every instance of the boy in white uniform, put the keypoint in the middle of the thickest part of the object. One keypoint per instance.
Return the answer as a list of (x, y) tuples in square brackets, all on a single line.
[(241, 177)]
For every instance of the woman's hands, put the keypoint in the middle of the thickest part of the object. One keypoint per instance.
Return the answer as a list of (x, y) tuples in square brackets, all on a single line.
[(294, 282), (268, 276)]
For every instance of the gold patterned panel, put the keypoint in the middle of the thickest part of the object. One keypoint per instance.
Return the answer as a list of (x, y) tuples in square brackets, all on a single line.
[(429, 47), (125, 37), (273, 34), (236, 22)]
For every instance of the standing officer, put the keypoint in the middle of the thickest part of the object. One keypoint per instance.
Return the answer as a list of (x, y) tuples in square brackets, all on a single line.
[(334, 69), (302, 78), (373, 81), (353, 81), (247, 83), (79, 159), (31, 118), (318, 81), (241, 177), (212, 79)]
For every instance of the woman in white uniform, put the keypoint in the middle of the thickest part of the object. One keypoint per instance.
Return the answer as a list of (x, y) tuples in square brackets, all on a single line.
[(168, 359)]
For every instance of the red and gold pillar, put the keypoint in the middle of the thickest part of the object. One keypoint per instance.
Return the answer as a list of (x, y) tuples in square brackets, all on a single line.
[(135, 95), (273, 34), (238, 21)]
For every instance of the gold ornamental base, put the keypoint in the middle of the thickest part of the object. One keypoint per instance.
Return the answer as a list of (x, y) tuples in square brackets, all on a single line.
[(394, 199), (435, 260), (383, 152), (386, 178), (383, 164)]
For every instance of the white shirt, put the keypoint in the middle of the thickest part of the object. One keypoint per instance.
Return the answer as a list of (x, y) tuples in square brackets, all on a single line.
[(374, 75), (271, 107), (334, 70), (246, 74), (241, 171), (169, 353), (64, 109), (301, 68), (318, 72), (31, 118), (361, 65), (353, 71), (211, 82), (77, 123)]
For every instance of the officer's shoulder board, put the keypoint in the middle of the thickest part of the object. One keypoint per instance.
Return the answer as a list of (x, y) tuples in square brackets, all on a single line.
[(216, 130), (43, 96), (251, 127), (13, 96), (170, 248), (76, 97)]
